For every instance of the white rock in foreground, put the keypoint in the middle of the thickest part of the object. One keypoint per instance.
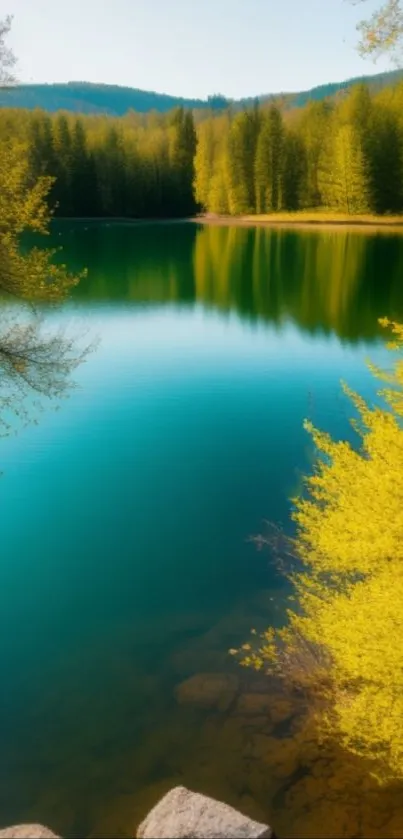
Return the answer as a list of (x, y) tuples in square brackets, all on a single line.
[(186, 814), (27, 831)]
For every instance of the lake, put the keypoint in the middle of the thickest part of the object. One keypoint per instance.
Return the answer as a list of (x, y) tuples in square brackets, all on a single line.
[(126, 516)]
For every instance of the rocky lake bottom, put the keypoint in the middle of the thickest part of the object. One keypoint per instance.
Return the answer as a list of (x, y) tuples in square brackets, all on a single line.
[(186, 715)]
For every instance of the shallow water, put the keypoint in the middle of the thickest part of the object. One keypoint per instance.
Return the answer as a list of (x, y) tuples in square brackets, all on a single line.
[(126, 563)]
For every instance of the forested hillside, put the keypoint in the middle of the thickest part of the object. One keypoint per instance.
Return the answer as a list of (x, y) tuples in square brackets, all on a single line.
[(101, 166), (87, 98), (344, 155)]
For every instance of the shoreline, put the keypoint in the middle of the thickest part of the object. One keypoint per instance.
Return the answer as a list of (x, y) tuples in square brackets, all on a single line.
[(282, 221), (307, 221)]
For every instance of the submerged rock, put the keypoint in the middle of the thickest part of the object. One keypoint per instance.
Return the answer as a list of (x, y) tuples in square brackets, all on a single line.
[(187, 660), (182, 814), (208, 690), (282, 709), (27, 831), (253, 704)]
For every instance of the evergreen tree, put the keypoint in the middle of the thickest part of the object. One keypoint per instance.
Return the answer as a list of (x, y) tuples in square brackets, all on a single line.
[(314, 129), (242, 142), (183, 151), (83, 175), (40, 142), (348, 154), (219, 192), (62, 157), (344, 176), (294, 172), (386, 161), (218, 188), (268, 169), (204, 163), (358, 107), (110, 162), (264, 170)]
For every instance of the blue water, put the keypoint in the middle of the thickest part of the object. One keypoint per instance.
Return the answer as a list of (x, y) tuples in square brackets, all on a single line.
[(125, 515)]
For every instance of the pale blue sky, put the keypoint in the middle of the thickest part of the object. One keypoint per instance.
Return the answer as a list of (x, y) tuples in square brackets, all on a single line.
[(190, 47)]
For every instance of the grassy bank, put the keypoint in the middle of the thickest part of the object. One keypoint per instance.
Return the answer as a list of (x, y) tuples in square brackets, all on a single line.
[(311, 218)]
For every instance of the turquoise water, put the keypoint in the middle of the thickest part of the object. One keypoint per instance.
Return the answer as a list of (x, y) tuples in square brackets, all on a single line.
[(126, 566)]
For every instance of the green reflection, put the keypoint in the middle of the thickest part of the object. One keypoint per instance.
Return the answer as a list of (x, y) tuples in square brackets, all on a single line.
[(327, 281)]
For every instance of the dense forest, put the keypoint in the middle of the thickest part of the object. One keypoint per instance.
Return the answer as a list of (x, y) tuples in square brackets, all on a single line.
[(344, 155), (103, 166)]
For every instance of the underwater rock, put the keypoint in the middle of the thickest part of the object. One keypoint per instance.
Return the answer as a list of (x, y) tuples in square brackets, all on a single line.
[(328, 819), (27, 831), (392, 828), (208, 690), (307, 792), (281, 756), (121, 814), (187, 660), (250, 807), (282, 709), (249, 724), (182, 813), (253, 704)]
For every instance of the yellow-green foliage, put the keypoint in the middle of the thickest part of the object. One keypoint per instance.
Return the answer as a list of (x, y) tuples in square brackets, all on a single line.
[(343, 643), (352, 519), (31, 362), (23, 208), (383, 31)]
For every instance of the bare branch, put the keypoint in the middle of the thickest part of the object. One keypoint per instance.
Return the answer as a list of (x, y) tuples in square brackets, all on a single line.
[(7, 57), (36, 366), (382, 33)]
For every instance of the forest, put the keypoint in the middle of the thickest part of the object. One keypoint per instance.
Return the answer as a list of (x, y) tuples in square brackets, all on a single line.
[(343, 155)]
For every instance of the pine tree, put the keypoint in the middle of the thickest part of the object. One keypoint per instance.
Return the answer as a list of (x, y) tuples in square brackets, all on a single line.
[(219, 186), (62, 155), (386, 160), (264, 170), (110, 163), (183, 151), (219, 193), (204, 163), (358, 107), (294, 172), (241, 157), (344, 175), (83, 177), (269, 160), (315, 129)]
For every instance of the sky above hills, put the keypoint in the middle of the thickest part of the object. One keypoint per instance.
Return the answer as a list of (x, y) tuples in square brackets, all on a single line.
[(188, 48)]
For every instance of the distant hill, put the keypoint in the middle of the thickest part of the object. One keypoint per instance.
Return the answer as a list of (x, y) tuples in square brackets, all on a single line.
[(325, 91), (88, 98)]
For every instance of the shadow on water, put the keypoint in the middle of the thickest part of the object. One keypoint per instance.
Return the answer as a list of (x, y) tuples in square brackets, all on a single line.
[(126, 573)]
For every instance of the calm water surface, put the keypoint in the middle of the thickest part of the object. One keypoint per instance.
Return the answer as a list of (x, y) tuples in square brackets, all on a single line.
[(126, 567)]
